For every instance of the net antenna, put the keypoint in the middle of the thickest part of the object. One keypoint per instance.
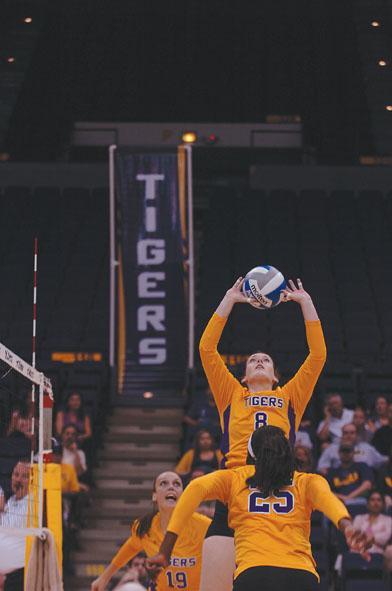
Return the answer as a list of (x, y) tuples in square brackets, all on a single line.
[(34, 336), (45, 402)]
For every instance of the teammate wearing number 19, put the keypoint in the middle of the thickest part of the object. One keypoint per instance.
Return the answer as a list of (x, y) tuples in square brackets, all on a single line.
[(256, 401), (147, 534)]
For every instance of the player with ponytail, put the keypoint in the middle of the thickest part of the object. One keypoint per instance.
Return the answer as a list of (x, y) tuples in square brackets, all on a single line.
[(269, 508), (147, 534)]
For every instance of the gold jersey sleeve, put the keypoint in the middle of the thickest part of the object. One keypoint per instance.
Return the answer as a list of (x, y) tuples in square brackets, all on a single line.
[(241, 412), (185, 464), (300, 388), (222, 382), (185, 565), (268, 531)]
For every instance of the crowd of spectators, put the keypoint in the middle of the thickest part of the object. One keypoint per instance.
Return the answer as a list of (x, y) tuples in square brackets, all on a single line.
[(71, 449)]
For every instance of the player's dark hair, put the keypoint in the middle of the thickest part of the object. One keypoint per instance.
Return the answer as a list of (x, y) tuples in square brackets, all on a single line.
[(273, 459), (144, 523)]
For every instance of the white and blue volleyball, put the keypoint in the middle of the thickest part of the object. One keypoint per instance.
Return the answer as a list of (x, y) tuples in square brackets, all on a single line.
[(263, 286)]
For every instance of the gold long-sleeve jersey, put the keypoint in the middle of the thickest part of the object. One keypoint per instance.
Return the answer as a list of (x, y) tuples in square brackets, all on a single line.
[(241, 412), (185, 564), (272, 531)]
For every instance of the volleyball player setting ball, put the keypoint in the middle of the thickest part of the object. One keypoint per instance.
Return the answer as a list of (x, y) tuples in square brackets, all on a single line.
[(147, 534), (255, 401), (270, 506)]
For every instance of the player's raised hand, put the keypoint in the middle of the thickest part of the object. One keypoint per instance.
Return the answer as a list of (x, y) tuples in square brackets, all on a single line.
[(295, 293), (98, 585), (358, 541), (155, 564), (235, 293)]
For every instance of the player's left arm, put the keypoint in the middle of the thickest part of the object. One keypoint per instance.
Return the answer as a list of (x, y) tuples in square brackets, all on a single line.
[(215, 486), (300, 387), (321, 498)]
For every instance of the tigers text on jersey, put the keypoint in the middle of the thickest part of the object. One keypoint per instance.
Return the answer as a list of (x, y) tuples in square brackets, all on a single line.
[(241, 412), (185, 564), (271, 531)]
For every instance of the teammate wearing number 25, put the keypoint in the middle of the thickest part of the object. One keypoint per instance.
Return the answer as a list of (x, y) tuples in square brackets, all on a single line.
[(255, 402), (270, 506)]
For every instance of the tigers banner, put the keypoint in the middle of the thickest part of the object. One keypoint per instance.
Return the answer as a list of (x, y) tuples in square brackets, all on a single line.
[(151, 286)]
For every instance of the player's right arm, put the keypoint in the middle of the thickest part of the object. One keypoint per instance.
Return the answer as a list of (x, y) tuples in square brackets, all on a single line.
[(132, 546), (221, 381)]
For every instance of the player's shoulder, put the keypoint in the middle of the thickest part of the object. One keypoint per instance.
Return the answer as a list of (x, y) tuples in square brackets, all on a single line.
[(241, 473), (303, 479), (200, 520), (247, 469), (198, 525)]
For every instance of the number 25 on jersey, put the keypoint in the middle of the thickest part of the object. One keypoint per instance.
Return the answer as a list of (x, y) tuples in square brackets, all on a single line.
[(283, 502)]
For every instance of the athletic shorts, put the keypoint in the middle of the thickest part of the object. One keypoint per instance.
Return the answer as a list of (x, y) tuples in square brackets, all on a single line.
[(219, 525), (273, 578)]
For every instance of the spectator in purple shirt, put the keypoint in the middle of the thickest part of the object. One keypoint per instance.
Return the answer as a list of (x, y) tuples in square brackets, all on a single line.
[(352, 480)]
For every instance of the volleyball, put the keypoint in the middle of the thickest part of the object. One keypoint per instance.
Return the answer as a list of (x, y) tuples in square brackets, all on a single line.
[(264, 285)]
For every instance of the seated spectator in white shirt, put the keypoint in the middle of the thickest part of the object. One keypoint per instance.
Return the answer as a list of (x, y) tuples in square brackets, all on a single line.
[(14, 515), (351, 481), (336, 416), (364, 433), (363, 452), (375, 523), (302, 438), (379, 416), (72, 455)]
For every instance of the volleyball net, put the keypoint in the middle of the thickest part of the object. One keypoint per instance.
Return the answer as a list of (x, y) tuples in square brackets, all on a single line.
[(26, 404)]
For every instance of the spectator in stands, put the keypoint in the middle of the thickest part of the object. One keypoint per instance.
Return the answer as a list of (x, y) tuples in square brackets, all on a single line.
[(303, 458), (135, 577), (14, 515), (382, 439), (20, 421), (74, 492), (202, 414), (384, 480), (380, 415), (72, 455), (363, 452), (74, 500), (302, 438), (351, 480), (74, 414), (336, 416), (363, 431), (204, 453), (14, 447), (375, 523)]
